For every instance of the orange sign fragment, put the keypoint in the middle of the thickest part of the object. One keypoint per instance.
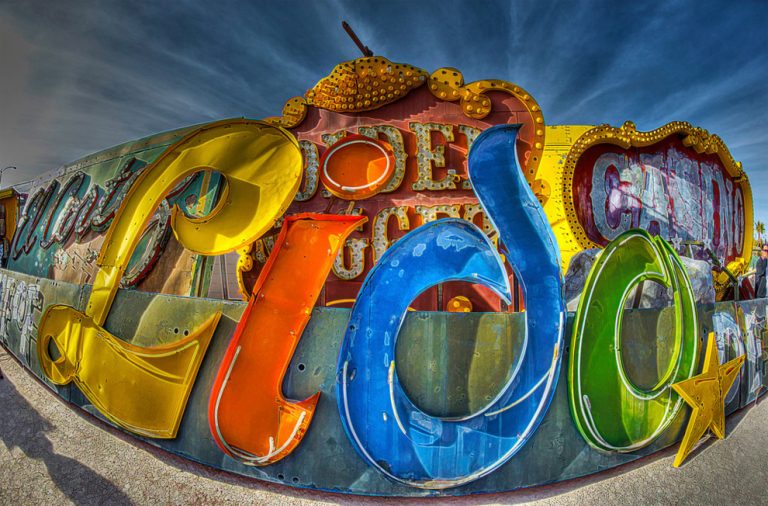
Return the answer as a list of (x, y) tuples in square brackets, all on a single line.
[(249, 417)]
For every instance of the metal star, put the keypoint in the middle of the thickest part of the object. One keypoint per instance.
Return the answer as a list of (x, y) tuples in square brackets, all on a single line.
[(705, 393)]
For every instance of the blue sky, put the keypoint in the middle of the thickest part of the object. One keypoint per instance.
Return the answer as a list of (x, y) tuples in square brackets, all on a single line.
[(77, 76)]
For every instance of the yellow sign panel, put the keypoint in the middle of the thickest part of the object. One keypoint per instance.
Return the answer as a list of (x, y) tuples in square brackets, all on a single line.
[(143, 390)]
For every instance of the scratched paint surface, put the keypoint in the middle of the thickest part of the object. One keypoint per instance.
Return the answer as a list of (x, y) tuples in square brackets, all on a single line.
[(389, 431), (62, 227), (249, 417), (555, 452), (667, 189)]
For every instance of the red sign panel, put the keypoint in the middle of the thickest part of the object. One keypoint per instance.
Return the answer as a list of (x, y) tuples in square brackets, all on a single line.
[(429, 137), (667, 188)]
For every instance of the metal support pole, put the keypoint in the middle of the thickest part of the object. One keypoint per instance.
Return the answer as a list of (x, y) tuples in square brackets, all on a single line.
[(363, 48)]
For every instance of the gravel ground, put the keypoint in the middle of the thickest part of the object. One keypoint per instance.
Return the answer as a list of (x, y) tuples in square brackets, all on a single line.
[(54, 454)]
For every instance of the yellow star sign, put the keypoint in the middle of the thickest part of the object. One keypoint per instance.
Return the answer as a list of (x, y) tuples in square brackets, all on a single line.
[(705, 393)]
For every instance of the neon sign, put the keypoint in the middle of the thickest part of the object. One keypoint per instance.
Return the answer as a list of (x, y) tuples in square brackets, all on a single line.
[(387, 428), (612, 411), (677, 181), (115, 375), (249, 417), (424, 204)]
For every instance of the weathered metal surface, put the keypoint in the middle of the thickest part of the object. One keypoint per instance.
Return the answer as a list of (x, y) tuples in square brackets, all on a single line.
[(462, 357), (388, 430), (67, 212), (250, 419), (667, 188), (677, 181)]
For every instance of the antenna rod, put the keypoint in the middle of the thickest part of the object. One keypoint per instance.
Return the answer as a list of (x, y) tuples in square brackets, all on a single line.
[(363, 48)]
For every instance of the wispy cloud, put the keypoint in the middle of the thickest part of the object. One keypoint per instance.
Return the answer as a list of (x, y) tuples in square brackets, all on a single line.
[(80, 76)]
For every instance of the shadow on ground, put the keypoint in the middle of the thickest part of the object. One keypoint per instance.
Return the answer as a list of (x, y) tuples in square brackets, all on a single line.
[(24, 428)]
